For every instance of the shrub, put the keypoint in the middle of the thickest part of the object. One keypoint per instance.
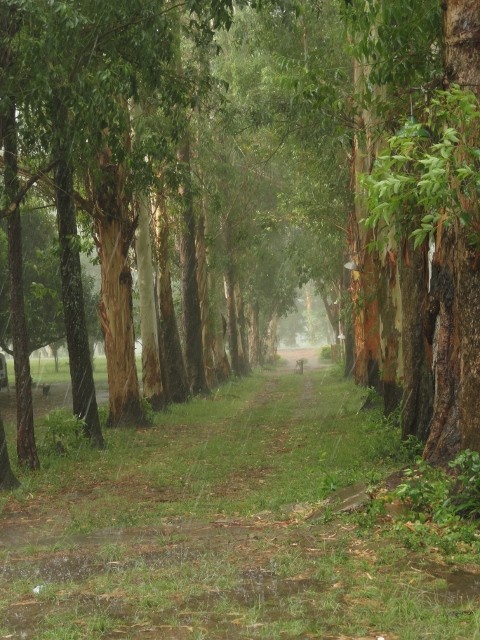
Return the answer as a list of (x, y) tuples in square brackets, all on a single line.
[(325, 353), (63, 433)]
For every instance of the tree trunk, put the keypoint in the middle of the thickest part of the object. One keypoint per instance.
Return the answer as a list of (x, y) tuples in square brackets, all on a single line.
[(417, 353), (390, 316), (151, 366), (366, 324), (232, 320), (81, 372), (174, 364), (456, 277), (7, 479), (255, 343), (153, 390), (271, 340), (242, 332), (26, 447), (115, 231), (365, 281), (203, 291), (192, 320)]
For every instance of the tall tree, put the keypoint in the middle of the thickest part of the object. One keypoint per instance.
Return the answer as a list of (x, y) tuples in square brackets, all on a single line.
[(178, 388), (26, 447), (81, 371), (456, 278), (192, 318)]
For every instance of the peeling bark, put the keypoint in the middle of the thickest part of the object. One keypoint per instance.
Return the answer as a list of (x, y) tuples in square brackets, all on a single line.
[(115, 230)]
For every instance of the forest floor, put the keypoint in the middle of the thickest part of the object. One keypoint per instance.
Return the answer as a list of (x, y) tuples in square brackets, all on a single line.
[(231, 518)]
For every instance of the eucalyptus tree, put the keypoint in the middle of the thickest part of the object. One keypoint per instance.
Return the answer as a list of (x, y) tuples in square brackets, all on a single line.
[(425, 189), (396, 50), (287, 78), (26, 447)]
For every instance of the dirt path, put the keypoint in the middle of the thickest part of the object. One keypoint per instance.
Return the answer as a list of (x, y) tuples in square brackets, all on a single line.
[(163, 565)]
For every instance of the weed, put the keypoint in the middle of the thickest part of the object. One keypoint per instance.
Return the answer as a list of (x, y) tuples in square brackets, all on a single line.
[(62, 433), (466, 498)]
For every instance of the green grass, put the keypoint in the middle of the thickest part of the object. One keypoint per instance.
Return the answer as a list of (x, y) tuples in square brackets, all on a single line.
[(43, 370), (189, 529)]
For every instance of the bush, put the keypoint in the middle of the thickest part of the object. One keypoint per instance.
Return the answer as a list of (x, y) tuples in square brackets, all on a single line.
[(432, 494), (325, 353), (466, 498), (63, 433)]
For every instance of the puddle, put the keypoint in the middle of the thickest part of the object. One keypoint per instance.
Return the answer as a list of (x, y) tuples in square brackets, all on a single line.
[(260, 586), (461, 586), (447, 586)]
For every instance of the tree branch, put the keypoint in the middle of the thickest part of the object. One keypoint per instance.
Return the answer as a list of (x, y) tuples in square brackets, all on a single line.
[(13, 206)]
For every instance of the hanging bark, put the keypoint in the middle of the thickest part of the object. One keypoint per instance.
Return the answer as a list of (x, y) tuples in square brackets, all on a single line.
[(192, 320), (456, 275), (26, 447), (81, 371), (176, 375), (115, 230), (416, 352), (7, 478)]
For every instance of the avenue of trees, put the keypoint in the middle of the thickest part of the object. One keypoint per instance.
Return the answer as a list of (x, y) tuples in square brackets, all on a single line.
[(215, 157)]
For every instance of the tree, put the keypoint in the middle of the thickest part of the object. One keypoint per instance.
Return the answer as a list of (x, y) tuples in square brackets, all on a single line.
[(456, 280), (26, 447), (81, 370), (176, 375)]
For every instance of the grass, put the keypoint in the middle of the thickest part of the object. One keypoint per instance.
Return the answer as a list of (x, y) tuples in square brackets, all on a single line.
[(198, 528)]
